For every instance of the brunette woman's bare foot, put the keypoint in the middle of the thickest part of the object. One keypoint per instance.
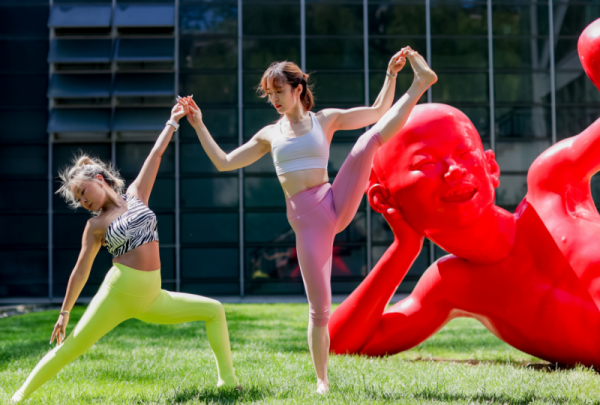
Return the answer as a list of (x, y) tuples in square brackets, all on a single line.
[(322, 387), (424, 76)]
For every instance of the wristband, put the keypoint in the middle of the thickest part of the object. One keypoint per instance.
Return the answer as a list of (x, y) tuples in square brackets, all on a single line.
[(173, 124), (391, 76), (65, 313)]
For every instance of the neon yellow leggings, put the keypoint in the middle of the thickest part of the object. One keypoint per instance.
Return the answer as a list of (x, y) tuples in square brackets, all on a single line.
[(128, 293)]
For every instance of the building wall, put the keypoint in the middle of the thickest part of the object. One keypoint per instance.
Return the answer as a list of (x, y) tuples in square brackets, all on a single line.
[(227, 233)]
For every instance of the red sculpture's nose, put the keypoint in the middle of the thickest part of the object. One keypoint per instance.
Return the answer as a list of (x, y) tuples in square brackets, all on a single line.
[(589, 51), (455, 173)]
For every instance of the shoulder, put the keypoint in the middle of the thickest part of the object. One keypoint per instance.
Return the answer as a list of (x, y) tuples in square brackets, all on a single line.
[(95, 227), (265, 134)]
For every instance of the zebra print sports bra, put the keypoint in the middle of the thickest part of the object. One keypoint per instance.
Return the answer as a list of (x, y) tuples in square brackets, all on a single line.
[(133, 228)]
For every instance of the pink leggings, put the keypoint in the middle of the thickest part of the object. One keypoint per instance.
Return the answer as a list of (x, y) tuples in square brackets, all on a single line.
[(319, 213)]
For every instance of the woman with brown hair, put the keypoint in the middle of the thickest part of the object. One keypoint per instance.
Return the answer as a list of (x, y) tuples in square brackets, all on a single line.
[(299, 143)]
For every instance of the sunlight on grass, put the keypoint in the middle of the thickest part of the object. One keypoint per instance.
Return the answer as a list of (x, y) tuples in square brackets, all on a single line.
[(139, 363)]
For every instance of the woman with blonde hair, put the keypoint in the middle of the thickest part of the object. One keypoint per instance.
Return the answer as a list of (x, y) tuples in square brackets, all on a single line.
[(299, 143), (132, 288)]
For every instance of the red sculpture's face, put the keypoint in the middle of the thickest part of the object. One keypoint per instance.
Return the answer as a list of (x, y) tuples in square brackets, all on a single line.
[(436, 171)]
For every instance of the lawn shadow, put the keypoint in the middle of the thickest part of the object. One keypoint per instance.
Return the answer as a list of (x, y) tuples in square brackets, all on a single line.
[(16, 351), (216, 396), (539, 366)]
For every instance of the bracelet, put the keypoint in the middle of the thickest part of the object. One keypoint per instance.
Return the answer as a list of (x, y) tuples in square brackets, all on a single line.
[(173, 124), (388, 74), (65, 313)]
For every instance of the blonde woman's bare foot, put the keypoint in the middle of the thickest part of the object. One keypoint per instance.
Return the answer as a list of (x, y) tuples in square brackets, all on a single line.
[(322, 387), (424, 76)]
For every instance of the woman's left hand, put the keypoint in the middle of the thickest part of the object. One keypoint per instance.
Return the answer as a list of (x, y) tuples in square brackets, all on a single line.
[(398, 60), (178, 112)]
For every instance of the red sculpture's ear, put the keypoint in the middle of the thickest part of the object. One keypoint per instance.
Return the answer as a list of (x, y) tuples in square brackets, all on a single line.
[(493, 168), (382, 202)]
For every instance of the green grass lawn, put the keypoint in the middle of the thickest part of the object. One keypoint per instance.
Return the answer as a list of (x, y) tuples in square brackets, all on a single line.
[(139, 363)]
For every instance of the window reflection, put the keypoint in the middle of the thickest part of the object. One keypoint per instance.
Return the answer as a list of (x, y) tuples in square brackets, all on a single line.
[(208, 18), (210, 88), (458, 18), (522, 87), (339, 88), (461, 87), (520, 18), (533, 121), (212, 227), (209, 192), (271, 227), (334, 19), (335, 53), (518, 156), (207, 53), (459, 53), (397, 19), (512, 189), (263, 191), (271, 18), (259, 53)]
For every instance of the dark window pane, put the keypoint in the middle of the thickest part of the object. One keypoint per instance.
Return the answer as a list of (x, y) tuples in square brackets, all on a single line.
[(263, 192), (571, 121), (210, 88), (380, 230), (25, 56), (68, 229), (527, 53), (23, 160), (141, 119), (414, 273), (517, 19), (459, 53), (458, 18), (131, 157), (397, 19), (144, 15), (24, 21), (513, 188), (64, 261), (144, 50), (263, 165), (17, 230), (334, 19), (272, 263), (194, 160), (480, 117), (268, 227), (24, 90), (211, 192), (167, 265), (166, 228), (24, 266), (209, 228), (565, 54), (163, 194), (338, 152), (348, 261), (523, 122), (461, 87), (211, 289), (381, 51), (271, 19), (208, 18), (29, 124), (356, 231), (63, 154), (24, 194), (259, 53), (339, 88), (80, 15), (518, 156), (221, 122), (213, 263), (250, 94), (576, 16), (335, 53), (595, 186), (522, 87), (257, 118), (203, 53), (575, 87), (403, 82)]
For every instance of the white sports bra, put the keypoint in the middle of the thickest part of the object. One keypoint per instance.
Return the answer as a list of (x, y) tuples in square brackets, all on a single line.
[(310, 151)]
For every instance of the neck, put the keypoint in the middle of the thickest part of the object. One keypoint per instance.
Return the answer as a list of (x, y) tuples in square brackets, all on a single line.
[(488, 239), (113, 201), (296, 114)]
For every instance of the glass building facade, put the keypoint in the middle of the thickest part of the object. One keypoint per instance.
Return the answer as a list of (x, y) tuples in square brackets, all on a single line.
[(100, 77)]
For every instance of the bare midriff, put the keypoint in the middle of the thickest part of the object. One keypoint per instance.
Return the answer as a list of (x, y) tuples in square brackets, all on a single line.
[(300, 180), (144, 258)]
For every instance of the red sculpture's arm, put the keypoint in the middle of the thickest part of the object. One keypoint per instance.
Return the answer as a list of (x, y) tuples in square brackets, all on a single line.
[(354, 323), (572, 161)]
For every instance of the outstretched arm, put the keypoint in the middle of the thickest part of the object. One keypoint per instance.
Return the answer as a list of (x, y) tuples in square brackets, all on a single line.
[(142, 185), (243, 156), (572, 161), (360, 117)]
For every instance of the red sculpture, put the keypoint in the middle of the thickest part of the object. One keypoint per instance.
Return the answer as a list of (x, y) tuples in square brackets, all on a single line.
[(532, 277)]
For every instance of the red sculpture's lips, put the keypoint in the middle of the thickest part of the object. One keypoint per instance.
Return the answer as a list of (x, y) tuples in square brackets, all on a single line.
[(459, 193)]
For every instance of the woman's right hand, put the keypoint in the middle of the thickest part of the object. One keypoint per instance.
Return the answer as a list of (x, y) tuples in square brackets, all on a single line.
[(60, 329)]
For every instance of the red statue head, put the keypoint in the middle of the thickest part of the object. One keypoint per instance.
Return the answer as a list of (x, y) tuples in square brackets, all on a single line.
[(434, 173)]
